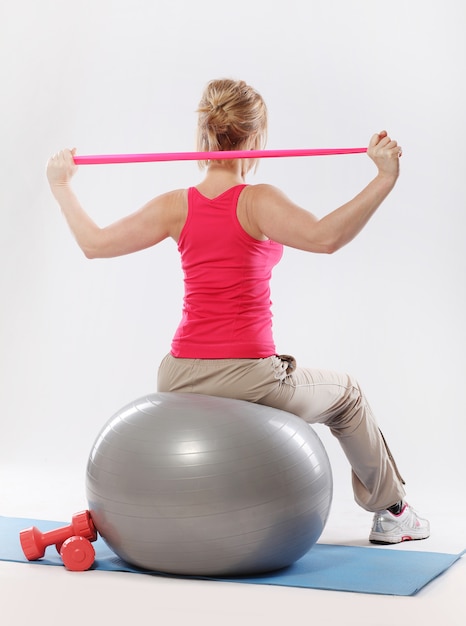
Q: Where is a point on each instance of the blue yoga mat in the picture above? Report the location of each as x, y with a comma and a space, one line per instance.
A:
332, 567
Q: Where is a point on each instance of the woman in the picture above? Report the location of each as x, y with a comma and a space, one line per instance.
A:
230, 235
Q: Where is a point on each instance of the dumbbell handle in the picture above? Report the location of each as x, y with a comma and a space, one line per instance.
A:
34, 542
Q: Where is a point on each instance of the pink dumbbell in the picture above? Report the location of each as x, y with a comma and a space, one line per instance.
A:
34, 542
77, 553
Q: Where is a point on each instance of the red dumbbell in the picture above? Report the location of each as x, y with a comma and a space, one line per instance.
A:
34, 542
77, 553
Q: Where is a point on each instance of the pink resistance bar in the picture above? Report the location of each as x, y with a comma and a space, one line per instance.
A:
101, 159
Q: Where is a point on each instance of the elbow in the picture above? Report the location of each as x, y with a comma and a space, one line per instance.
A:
325, 240
336, 242
320, 247
90, 252
92, 247
331, 246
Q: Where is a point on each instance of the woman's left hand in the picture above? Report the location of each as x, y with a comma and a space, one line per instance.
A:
61, 167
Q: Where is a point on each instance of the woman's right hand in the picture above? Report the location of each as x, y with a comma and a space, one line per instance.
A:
61, 168
386, 153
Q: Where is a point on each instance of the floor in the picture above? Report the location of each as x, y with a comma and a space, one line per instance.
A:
54, 595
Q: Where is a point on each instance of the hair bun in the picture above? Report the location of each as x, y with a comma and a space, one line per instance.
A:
230, 114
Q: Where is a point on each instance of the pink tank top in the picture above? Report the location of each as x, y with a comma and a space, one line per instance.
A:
226, 307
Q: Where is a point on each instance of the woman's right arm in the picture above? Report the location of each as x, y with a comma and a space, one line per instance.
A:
283, 221
155, 221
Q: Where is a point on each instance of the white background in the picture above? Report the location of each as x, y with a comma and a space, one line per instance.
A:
79, 338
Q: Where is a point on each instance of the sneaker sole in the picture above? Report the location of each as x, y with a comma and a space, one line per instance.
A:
391, 541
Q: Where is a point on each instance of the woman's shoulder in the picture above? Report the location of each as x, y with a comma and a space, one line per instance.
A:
174, 195
169, 202
264, 192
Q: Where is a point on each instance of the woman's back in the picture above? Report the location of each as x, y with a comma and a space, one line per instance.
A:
226, 310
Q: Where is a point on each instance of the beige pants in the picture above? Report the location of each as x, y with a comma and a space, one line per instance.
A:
317, 396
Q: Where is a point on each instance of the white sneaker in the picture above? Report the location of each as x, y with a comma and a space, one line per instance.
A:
406, 526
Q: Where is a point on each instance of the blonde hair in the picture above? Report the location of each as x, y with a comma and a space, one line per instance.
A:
232, 116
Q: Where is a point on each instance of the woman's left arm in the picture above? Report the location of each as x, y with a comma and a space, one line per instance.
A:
147, 227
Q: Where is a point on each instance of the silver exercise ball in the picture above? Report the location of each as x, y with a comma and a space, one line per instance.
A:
199, 485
